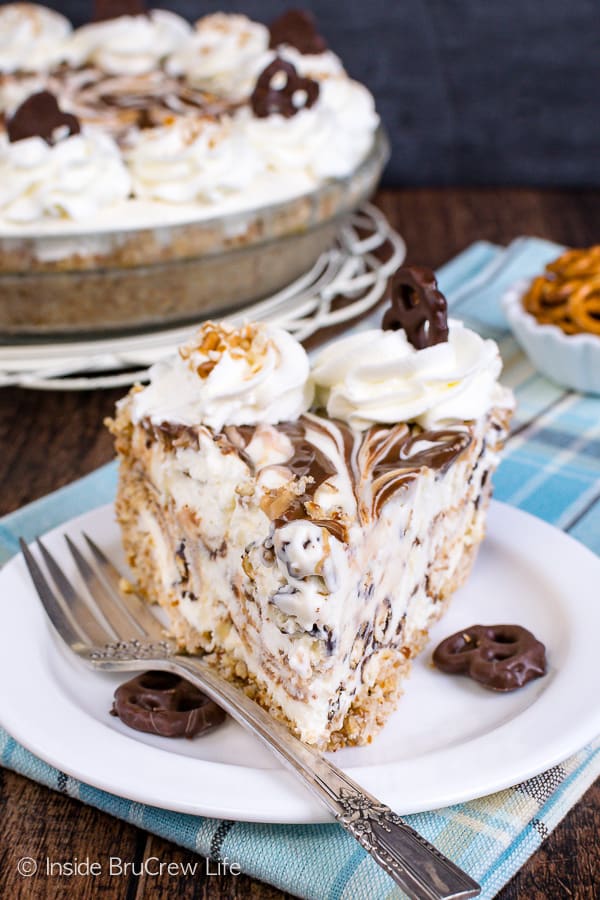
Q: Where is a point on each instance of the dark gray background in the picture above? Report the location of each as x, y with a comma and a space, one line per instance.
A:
471, 91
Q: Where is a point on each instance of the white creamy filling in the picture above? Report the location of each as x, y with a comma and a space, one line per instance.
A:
269, 447
337, 491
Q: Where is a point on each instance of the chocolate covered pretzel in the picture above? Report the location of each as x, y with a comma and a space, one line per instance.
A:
165, 704
41, 116
500, 657
418, 307
280, 90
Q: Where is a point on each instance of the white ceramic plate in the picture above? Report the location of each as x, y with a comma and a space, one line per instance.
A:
450, 740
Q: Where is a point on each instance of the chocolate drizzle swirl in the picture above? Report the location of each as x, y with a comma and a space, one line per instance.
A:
391, 458
311, 464
377, 463
120, 103
385, 459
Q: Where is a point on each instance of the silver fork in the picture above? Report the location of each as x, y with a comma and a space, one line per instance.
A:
115, 631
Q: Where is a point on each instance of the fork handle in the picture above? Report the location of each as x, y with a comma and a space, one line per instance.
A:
421, 870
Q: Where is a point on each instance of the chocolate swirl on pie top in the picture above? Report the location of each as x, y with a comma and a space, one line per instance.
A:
41, 116
418, 307
147, 100
297, 28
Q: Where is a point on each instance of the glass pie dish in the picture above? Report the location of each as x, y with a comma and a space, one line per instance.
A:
118, 279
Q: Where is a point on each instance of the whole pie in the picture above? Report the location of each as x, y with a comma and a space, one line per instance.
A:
139, 141
172, 122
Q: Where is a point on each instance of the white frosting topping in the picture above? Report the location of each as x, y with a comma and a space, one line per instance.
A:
327, 140
222, 55
74, 178
32, 37
191, 160
227, 376
377, 376
129, 45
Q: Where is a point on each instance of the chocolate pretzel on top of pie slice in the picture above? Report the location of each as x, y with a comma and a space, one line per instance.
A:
418, 307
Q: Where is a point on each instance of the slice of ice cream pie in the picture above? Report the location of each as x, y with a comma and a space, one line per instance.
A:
303, 526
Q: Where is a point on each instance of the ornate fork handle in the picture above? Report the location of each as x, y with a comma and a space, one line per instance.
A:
421, 870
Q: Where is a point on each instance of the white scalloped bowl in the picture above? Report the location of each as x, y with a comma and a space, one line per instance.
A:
571, 360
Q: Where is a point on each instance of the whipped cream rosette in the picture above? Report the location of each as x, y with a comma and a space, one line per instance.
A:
377, 376
74, 178
223, 55
190, 161
32, 38
128, 45
325, 140
226, 376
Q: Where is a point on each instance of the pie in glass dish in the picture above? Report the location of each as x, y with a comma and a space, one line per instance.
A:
152, 171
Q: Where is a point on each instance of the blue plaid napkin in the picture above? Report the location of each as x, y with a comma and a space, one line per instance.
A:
550, 469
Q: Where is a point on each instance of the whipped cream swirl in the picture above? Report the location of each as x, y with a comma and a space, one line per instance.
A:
227, 376
377, 376
191, 160
74, 179
32, 38
328, 140
222, 55
129, 45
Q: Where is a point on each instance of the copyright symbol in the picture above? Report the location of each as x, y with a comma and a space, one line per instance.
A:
27, 866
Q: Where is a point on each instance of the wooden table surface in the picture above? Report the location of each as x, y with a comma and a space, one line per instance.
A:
49, 439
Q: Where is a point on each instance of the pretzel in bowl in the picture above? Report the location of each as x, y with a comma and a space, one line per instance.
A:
568, 293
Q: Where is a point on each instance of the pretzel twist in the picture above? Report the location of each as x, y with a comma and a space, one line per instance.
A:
568, 293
